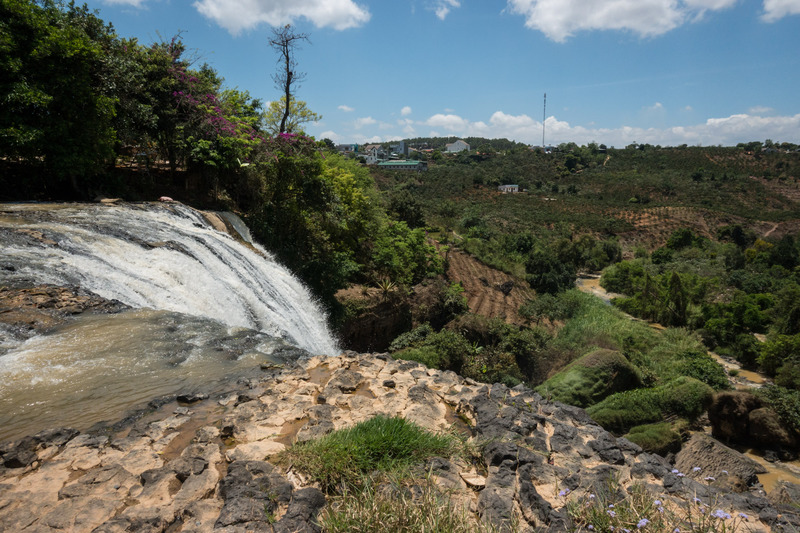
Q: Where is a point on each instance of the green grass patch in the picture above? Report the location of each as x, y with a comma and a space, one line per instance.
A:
658, 438
341, 460
683, 397
591, 378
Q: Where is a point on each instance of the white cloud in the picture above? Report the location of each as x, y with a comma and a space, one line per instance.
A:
727, 131
405, 111
238, 15
364, 121
760, 110
442, 8
560, 19
777, 9
346, 108
134, 3
330, 134
448, 122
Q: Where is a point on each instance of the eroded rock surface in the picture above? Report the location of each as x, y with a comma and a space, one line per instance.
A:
205, 467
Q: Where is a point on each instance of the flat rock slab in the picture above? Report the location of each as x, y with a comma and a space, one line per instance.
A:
211, 468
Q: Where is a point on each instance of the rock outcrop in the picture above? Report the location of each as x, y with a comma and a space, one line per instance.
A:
205, 466
741, 417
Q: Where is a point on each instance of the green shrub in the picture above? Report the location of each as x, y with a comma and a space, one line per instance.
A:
527, 346
445, 350
410, 338
657, 438
342, 459
591, 378
785, 402
702, 367
427, 355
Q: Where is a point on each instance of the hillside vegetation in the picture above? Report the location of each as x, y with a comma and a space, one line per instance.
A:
701, 240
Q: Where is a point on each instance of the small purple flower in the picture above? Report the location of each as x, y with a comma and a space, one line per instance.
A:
676, 530
591, 496
643, 522
660, 509
610, 505
611, 513
725, 472
590, 527
708, 478
657, 503
697, 501
676, 471
719, 513
696, 469
563, 492
743, 516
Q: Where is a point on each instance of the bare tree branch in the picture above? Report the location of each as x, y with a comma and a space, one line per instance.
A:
285, 41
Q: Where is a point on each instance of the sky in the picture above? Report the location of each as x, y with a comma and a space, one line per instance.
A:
615, 72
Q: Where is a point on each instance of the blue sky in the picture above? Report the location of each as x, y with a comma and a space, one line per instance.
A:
669, 72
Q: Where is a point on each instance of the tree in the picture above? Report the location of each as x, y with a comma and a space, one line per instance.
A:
284, 41
57, 93
277, 121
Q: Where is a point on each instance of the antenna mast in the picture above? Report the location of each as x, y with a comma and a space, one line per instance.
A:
544, 117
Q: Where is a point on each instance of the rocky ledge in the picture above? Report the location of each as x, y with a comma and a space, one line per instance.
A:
203, 464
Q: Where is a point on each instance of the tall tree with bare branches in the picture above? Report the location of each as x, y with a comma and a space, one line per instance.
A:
285, 41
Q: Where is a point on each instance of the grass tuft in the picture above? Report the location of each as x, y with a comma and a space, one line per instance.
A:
341, 460
397, 508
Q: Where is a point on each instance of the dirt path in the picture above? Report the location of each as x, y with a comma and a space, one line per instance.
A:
771, 230
489, 292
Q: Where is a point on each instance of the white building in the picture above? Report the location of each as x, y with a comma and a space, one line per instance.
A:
458, 146
508, 188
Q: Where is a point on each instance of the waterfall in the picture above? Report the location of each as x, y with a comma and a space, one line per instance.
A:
163, 257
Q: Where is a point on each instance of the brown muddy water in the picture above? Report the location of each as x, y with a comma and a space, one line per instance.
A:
98, 368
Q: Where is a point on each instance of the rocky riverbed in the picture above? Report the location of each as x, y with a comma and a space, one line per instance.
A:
207, 463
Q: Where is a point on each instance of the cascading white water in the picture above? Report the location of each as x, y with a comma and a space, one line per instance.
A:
163, 257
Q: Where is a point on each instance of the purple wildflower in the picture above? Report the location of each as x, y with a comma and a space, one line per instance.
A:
643, 522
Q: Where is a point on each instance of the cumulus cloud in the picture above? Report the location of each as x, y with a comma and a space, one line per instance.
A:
442, 8
405, 111
364, 121
238, 15
777, 9
760, 110
560, 19
448, 122
346, 108
134, 3
330, 134
726, 131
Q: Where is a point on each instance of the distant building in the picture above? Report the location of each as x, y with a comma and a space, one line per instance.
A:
347, 148
419, 166
508, 188
398, 148
372, 154
458, 146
